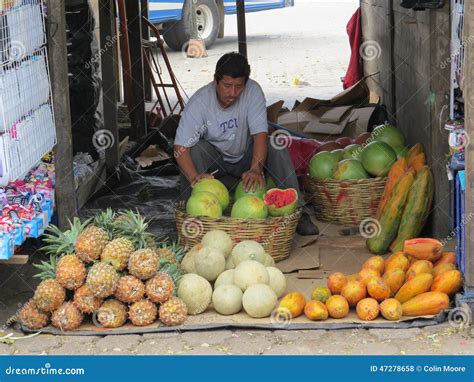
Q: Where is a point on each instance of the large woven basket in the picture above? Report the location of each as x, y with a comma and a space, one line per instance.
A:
274, 233
347, 202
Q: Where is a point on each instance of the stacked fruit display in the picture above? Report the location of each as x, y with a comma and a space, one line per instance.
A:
211, 198
405, 203
369, 155
109, 267
243, 277
418, 281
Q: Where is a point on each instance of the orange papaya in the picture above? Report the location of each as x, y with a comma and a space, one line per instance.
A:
426, 304
419, 267
415, 211
391, 215
397, 260
437, 270
423, 249
447, 282
394, 278
399, 168
417, 162
417, 285
446, 258
414, 151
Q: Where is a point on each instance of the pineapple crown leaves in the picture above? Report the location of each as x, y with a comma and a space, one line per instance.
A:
172, 269
59, 242
176, 248
105, 221
47, 268
133, 226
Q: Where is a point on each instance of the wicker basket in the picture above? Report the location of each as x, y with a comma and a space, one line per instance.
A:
346, 202
274, 233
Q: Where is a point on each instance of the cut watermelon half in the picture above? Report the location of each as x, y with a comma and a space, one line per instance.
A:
281, 202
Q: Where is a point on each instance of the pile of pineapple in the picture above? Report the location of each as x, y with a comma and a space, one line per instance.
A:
109, 267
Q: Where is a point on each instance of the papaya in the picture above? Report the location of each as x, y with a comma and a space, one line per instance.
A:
397, 170
394, 278
447, 282
417, 285
437, 270
375, 262
336, 281
391, 215
366, 274
416, 208
391, 309
353, 292
337, 306
419, 267
352, 277
292, 302
426, 304
397, 260
423, 249
378, 289
367, 309
315, 311
414, 151
417, 162
446, 257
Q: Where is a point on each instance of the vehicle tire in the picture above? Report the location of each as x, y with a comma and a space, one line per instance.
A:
176, 34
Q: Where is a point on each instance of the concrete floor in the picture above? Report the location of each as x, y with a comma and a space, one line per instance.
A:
307, 42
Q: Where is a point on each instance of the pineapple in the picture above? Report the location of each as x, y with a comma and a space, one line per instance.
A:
85, 300
70, 272
143, 313
173, 312
31, 317
129, 289
49, 295
172, 253
112, 314
134, 227
102, 279
117, 252
160, 288
58, 242
90, 243
143, 264
67, 317
105, 221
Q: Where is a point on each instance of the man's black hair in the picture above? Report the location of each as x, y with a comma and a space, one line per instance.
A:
233, 65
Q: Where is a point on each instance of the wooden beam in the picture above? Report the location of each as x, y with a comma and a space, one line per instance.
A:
146, 36
134, 21
16, 260
469, 125
241, 28
65, 190
109, 62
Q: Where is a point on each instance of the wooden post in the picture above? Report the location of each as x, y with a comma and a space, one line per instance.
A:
469, 125
138, 89
146, 36
108, 49
66, 204
241, 29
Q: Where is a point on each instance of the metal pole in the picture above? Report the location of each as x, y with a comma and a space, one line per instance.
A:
242, 33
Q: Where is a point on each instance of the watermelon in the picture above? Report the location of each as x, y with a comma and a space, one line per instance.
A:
281, 202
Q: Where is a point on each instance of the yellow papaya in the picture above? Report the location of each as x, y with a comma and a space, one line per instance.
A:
416, 208
426, 304
399, 168
417, 285
414, 151
391, 215
423, 249
447, 282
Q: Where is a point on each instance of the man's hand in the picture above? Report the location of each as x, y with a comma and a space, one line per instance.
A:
199, 177
253, 179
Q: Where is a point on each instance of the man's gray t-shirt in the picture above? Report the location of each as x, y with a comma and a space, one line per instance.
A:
228, 130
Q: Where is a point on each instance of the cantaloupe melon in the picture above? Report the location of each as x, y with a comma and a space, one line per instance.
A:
250, 272
196, 292
259, 300
248, 250
225, 278
220, 240
209, 263
277, 281
227, 299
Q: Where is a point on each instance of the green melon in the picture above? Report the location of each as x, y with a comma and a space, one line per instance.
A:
352, 151
389, 134
239, 191
204, 204
322, 165
269, 183
215, 187
350, 169
338, 153
249, 207
378, 158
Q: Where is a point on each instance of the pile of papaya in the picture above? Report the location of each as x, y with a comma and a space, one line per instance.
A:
405, 203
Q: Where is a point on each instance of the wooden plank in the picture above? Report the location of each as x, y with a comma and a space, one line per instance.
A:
108, 45
93, 183
58, 65
146, 37
440, 86
469, 125
16, 260
138, 90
